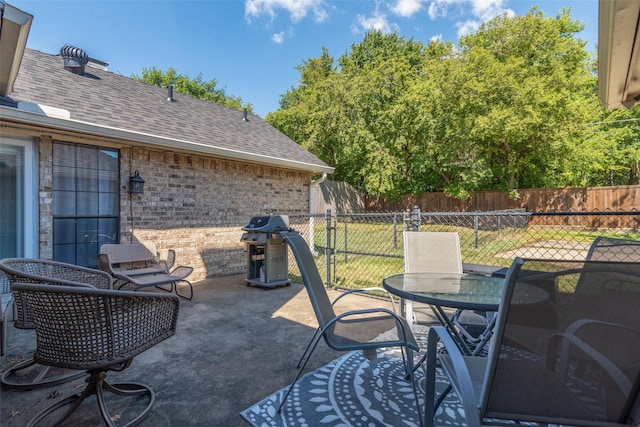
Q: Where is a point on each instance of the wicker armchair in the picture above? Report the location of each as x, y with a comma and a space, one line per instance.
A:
6, 307
28, 375
97, 330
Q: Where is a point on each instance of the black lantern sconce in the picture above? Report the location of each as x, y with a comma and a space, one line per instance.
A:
136, 184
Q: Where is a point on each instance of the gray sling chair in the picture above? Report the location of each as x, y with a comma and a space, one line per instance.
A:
587, 372
343, 332
28, 375
97, 330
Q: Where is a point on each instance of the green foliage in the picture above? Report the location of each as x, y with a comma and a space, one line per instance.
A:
617, 144
194, 87
509, 108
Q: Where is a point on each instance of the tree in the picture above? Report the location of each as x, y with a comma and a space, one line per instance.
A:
527, 89
194, 87
338, 115
619, 144
508, 109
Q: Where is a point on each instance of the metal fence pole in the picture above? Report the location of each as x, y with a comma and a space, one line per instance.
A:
416, 218
327, 248
475, 231
346, 240
395, 231
334, 250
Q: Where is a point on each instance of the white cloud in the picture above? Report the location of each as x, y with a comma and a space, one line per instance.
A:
436, 38
378, 21
466, 15
407, 8
297, 9
467, 27
437, 9
480, 9
278, 37
489, 9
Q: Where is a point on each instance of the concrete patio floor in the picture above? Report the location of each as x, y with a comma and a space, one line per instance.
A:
234, 346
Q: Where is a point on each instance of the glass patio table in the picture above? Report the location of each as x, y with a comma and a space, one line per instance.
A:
450, 290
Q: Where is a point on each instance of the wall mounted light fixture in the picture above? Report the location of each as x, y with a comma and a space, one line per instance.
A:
136, 184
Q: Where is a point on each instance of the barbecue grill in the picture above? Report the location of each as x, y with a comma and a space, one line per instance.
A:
266, 251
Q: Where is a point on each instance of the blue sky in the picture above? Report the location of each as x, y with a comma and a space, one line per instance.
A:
251, 48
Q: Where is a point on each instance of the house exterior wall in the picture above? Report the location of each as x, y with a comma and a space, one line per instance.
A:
192, 204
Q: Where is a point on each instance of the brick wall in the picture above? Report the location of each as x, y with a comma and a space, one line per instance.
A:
45, 197
192, 204
198, 205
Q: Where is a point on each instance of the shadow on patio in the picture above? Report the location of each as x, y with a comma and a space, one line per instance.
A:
234, 345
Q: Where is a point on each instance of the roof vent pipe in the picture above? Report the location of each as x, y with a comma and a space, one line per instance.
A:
74, 59
313, 185
244, 115
170, 93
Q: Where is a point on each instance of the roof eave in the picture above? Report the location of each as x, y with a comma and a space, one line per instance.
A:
80, 127
14, 30
618, 53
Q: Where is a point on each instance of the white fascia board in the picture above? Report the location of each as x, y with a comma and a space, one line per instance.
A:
70, 125
617, 46
14, 31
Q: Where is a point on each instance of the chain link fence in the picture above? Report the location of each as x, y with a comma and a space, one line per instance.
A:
356, 250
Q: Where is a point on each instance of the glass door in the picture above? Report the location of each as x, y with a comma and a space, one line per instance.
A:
17, 199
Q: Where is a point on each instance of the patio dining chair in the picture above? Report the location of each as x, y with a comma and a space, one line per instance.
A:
429, 252
344, 331
588, 371
438, 252
97, 330
27, 374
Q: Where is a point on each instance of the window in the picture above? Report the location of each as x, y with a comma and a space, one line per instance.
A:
86, 202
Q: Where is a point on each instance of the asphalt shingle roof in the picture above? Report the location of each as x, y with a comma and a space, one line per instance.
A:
108, 99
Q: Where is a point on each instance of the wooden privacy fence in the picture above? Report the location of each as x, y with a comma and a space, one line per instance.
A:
544, 200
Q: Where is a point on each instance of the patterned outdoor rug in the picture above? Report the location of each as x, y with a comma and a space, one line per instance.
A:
353, 391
